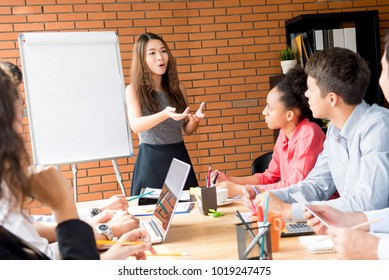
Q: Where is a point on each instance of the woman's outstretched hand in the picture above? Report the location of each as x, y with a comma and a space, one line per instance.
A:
171, 113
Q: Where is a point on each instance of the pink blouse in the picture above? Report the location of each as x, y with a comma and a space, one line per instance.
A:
293, 158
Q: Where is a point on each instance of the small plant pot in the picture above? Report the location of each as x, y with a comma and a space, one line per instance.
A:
288, 64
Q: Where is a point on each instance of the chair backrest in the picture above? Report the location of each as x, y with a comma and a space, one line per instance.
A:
261, 163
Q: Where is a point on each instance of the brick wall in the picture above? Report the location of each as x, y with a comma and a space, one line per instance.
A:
225, 51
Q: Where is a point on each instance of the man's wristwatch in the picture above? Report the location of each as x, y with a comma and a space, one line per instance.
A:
106, 230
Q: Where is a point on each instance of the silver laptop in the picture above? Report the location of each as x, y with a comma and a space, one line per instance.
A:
159, 224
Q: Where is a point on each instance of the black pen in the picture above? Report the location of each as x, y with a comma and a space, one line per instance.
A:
215, 178
245, 224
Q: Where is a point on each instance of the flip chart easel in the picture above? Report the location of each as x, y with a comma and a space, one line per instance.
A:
75, 98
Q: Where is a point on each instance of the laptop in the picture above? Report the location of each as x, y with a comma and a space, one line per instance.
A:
159, 224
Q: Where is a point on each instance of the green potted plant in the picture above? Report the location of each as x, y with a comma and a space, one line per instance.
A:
288, 59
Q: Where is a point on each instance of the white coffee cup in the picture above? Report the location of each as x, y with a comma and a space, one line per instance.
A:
222, 195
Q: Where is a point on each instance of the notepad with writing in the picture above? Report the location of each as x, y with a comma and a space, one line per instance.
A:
147, 210
317, 244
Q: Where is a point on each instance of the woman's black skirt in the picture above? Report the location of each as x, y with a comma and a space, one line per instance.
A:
152, 165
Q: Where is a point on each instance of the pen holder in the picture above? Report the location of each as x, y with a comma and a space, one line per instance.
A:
250, 241
207, 200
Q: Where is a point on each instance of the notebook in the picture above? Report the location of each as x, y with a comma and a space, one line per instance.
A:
317, 244
160, 221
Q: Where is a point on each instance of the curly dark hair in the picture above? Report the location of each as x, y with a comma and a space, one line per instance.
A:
141, 77
14, 70
292, 92
13, 155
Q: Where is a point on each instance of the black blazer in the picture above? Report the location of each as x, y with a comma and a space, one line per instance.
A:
75, 239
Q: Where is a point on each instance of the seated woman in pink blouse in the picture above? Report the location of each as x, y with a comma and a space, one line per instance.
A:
298, 144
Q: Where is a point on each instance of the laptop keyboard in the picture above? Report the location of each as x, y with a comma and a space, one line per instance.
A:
151, 228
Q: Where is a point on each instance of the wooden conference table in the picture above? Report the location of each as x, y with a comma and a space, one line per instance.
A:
209, 238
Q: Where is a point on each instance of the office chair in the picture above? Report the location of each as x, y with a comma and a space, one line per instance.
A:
261, 163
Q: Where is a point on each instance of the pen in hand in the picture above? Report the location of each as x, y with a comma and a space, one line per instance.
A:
215, 179
254, 207
209, 176
255, 189
252, 201
354, 227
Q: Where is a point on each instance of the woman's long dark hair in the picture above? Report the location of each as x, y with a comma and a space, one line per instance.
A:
13, 155
143, 84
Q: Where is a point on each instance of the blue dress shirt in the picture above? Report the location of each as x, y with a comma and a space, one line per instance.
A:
354, 161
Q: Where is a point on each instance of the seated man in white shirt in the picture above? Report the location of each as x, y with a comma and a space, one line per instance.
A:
358, 243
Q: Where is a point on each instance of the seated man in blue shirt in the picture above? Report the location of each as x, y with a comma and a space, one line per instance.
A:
355, 158
358, 243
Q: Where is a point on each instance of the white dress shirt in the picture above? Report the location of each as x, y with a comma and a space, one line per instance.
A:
382, 228
19, 224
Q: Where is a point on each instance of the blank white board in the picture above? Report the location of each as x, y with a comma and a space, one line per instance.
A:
75, 97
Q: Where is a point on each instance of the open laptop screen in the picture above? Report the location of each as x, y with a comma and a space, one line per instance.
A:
171, 191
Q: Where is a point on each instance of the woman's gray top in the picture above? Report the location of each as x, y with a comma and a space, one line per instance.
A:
166, 132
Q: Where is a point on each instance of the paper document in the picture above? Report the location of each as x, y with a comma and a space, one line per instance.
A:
185, 196
147, 210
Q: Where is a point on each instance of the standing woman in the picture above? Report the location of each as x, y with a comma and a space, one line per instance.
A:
158, 111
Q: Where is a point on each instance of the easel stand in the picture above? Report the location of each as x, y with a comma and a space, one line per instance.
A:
117, 172
251, 244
